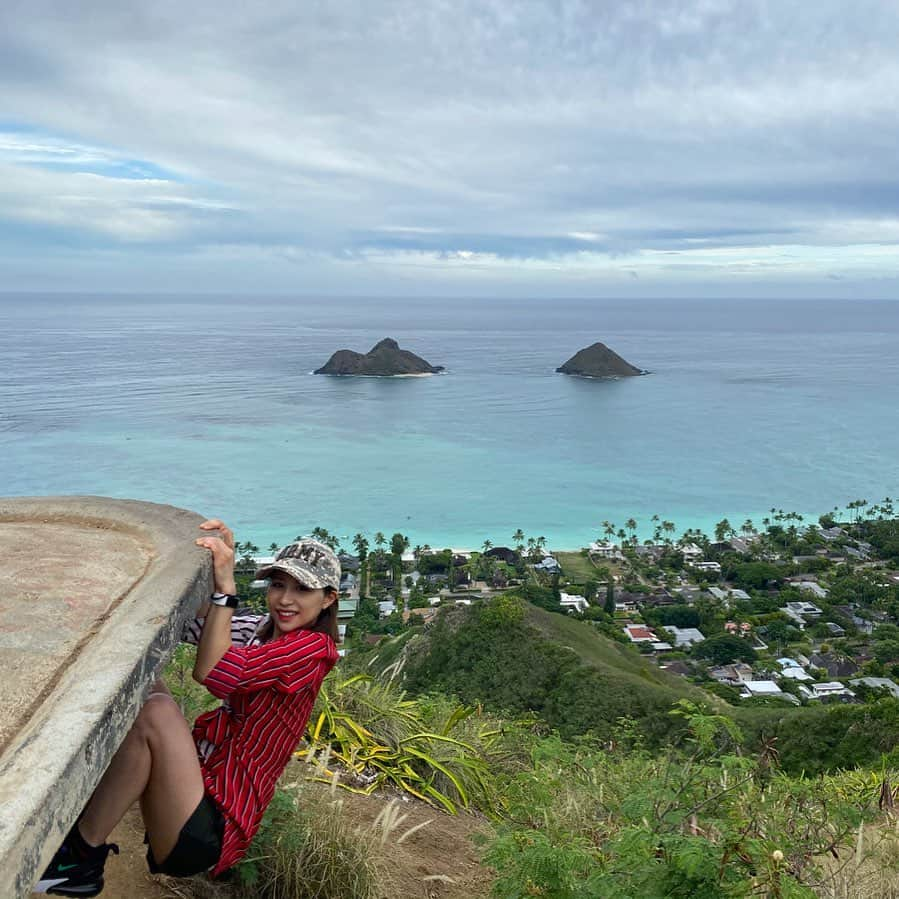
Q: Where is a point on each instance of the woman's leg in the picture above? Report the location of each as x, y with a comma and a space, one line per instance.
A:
156, 764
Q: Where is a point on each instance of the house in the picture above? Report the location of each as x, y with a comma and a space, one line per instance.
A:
865, 626
883, 683
503, 554
348, 562
732, 675
659, 598
549, 565
648, 551
835, 666
685, 636
814, 588
802, 612
639, 633
835, 629
677, 667
691, 553
661, 646
744, 628
707, 566
386, 607
831, 689
573, 603
426, 614
688, 594
796, 673
604, 550
761, 688
831, 534
719, 594
739, 545
736, 593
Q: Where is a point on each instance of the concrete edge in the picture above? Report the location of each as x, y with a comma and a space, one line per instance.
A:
49, 770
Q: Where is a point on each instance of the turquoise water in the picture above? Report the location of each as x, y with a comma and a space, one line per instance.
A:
208, 403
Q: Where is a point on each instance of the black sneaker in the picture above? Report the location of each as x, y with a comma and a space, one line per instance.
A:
68, 875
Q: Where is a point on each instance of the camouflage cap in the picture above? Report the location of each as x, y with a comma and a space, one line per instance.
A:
311, 563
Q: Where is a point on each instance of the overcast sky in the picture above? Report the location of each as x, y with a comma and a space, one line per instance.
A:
452, 147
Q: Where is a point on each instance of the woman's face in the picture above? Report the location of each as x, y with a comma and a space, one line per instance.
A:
292, 605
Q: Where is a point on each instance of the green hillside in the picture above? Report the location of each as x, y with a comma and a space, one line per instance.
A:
515, 658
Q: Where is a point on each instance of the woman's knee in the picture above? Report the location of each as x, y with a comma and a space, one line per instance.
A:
158, 715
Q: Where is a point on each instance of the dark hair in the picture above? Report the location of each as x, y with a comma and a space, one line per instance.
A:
326, 623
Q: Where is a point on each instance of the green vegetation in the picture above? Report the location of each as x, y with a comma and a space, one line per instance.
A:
305, 849
577, 567
700, 820
519, 659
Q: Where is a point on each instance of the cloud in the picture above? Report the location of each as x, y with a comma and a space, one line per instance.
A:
409, 134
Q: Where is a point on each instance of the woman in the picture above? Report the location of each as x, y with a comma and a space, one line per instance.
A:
202, 793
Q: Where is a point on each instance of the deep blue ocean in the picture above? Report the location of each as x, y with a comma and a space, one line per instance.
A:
209, 403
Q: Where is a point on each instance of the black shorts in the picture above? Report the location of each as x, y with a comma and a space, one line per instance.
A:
199, 843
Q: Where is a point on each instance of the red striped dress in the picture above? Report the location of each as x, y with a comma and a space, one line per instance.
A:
244, 745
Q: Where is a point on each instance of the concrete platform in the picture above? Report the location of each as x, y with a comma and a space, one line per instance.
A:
93, 593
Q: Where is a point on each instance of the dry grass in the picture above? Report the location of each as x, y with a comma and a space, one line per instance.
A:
871, 871
314, 851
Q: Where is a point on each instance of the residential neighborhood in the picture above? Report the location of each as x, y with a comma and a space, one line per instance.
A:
786, 612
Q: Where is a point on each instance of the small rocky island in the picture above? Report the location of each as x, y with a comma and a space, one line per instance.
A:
598, 361
384, 360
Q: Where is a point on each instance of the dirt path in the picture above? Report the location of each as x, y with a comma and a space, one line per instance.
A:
441, 849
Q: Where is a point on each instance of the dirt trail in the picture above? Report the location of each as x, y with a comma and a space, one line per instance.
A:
442, 848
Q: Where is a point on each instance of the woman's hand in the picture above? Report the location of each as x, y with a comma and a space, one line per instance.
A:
222, 549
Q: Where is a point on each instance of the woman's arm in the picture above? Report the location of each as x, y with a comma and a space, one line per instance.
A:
216, 638
227, 535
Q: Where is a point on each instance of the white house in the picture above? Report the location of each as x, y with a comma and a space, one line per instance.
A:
761, 688
802, 612
691, 553
571, 602
685, 636
811, 587
831, 688
605, 550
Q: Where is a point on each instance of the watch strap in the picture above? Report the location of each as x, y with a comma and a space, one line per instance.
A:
224, 599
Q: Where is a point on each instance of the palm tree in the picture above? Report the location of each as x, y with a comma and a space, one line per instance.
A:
669, 528
608, 529
518, 539
487, 545
361, 545
723, 529
273, 547
399, 543
631, 525
747, 527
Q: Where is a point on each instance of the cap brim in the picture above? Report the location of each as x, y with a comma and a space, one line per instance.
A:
298, 571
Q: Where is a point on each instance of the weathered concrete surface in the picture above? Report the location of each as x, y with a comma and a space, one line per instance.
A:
93, 594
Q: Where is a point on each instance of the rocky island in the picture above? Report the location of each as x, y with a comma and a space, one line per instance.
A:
598, 361
384, 360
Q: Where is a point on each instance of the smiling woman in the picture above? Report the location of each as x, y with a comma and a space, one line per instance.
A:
203, 793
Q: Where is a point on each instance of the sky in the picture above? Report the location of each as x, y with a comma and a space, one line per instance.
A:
467, 148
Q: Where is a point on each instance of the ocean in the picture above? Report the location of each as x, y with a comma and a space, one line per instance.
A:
209, 403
